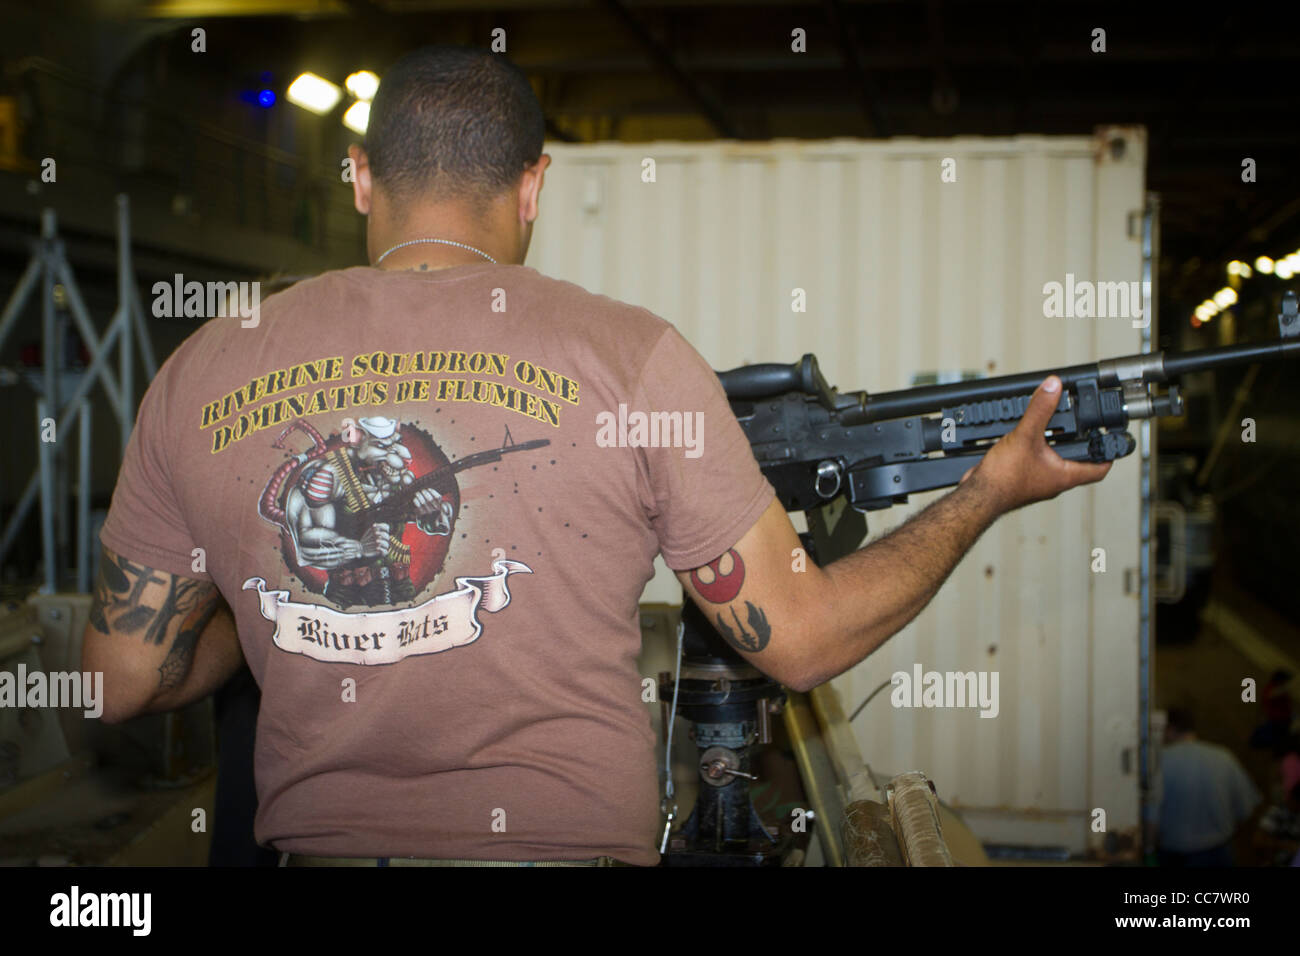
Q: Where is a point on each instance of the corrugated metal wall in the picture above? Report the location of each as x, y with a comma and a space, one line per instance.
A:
904, 272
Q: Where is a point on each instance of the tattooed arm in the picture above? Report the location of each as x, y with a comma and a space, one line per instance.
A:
763, 603
802, 625
161, 640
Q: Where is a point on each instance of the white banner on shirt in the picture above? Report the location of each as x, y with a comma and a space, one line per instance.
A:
385, 637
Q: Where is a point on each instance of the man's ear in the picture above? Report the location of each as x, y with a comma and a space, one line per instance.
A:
360, 179
530, 185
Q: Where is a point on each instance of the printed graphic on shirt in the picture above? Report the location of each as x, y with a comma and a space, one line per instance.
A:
385, 637
343, 508
370, 379
366, 514
365, 517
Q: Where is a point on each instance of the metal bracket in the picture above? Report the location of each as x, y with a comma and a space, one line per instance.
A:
1288, 320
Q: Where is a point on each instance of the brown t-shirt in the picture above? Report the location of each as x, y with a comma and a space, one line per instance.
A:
465, 684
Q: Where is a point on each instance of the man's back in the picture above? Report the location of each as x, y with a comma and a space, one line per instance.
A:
434, 554
1206, 795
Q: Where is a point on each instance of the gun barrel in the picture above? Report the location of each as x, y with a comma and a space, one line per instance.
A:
1176, 364
857, 408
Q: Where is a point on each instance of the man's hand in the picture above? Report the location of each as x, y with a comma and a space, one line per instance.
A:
1022, 468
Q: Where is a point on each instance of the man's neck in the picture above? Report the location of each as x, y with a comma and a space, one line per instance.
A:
430, 257
440, 236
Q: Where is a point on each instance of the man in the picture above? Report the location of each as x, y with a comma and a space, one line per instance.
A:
496, 715
1205, 795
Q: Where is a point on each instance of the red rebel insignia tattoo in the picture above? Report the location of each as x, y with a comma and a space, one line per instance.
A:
719, 581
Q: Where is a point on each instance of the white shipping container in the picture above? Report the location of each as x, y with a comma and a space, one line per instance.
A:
908, 270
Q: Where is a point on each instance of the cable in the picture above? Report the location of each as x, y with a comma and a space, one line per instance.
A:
668, 750
854, 715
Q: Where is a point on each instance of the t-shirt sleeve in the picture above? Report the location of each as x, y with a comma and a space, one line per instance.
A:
707, 489
145, 523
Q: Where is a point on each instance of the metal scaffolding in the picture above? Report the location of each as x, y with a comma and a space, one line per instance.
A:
63, 392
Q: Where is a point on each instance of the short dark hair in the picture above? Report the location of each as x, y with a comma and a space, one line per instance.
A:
457, 121
1180, 720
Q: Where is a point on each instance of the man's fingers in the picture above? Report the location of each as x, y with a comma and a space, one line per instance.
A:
1042, 406
1085, 472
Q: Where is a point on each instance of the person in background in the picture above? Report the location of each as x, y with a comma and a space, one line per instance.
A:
1278, 836
1275, 701
1205, 796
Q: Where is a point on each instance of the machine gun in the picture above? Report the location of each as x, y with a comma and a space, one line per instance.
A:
815, 443
821, 448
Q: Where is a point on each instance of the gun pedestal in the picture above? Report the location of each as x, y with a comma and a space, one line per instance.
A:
729, 704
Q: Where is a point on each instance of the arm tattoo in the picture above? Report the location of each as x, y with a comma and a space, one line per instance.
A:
173, 669
120, 595
119, 587
184, 597
744, 641
719, 581
120, 605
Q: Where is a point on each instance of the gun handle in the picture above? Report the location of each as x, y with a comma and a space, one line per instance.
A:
774, 378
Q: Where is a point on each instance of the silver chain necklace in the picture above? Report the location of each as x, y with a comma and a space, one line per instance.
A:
446, 242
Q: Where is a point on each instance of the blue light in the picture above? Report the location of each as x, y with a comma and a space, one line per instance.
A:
266, 99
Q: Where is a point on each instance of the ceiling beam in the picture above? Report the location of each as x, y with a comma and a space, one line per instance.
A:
868, 93
663, 58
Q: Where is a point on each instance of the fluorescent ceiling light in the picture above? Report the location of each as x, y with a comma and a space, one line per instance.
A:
314, 93
362, 84
357, 117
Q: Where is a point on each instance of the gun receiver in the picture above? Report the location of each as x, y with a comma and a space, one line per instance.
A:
816, 443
